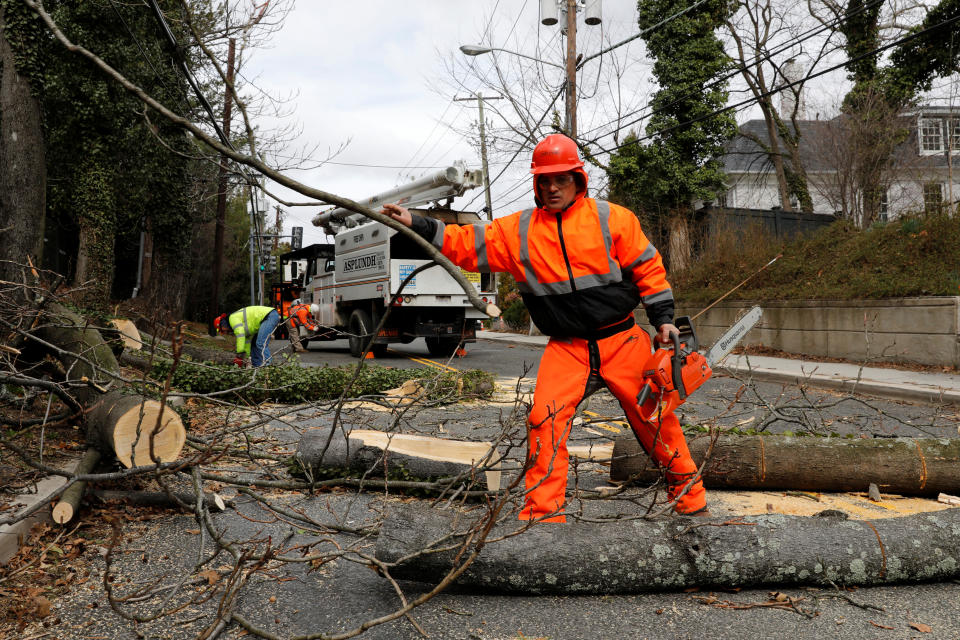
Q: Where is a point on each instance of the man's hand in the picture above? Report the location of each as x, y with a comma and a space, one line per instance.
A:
398, 213
664, 331
238, 361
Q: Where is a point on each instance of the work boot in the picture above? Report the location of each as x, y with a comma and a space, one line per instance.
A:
699, 513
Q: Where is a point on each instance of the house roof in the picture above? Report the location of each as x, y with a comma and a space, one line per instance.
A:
818, 147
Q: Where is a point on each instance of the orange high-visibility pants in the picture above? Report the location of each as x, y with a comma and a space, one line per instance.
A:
562, 384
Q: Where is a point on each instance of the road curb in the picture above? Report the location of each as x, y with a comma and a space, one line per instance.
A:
906, 392
12, 536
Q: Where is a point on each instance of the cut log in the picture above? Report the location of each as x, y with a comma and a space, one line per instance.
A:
69, 502
129, 333
416, 457
161, 499
131, 426
677, 553
906, 466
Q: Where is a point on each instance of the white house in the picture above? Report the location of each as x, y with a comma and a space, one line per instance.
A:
924, 172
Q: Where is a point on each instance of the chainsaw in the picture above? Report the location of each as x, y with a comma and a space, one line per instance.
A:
676, 370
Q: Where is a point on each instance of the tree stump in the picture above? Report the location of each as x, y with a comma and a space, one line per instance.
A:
907, 466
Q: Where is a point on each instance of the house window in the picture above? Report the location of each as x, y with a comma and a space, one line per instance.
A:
953, 127
931, 135
932, 196
884, 213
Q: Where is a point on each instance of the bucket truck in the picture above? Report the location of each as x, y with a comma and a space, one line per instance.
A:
354, 280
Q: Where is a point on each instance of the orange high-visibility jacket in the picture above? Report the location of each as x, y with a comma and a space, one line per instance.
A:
578, 271
300, 316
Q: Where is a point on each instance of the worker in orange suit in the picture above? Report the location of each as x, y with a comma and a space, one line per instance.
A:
582, 266
300, 316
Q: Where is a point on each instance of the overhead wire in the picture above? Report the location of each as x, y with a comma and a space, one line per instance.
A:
740, 68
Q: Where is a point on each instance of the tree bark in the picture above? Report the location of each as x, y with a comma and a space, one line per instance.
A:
907, 466
680, 250
23, 172
379, 454
638, 556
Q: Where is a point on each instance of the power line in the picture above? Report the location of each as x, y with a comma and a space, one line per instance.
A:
741, 68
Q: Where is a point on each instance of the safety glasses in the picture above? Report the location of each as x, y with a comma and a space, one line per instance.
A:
560, 181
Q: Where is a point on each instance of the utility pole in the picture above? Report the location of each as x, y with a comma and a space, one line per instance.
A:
253, 238
571, 124
222, 188
479, 97
278, 220
592, 17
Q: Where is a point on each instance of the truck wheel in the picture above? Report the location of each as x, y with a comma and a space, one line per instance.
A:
361, 325
442, 347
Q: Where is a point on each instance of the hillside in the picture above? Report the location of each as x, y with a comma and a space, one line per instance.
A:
913, 256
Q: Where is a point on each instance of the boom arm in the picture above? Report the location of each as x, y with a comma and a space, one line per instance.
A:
453, 181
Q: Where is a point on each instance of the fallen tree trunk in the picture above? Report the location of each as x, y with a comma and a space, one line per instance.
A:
638, 556
907, 466
376, 454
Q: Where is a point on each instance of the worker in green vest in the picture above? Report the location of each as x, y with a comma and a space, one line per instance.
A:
252, 327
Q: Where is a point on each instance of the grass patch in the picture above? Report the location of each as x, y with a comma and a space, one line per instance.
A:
915, 255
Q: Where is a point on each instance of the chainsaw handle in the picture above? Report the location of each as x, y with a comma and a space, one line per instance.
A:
676, 366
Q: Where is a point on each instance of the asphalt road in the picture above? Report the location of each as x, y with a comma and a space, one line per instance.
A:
292, 599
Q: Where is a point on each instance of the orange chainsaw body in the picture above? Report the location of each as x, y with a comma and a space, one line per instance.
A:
672, 373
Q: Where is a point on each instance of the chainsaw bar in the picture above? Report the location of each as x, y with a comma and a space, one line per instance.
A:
725, 344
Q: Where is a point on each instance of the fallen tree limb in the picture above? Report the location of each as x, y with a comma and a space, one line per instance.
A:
635, 556
70, 499
376, 454
906, 466
161, 499
150, 343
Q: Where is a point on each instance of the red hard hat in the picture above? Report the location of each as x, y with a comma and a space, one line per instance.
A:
555, 153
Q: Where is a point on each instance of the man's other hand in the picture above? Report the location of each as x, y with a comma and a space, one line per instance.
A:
398, 213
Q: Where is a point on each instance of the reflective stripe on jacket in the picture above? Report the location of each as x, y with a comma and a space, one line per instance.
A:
245, 324
300, 316
578, 270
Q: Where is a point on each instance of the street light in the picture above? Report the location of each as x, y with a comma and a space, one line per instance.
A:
478, 50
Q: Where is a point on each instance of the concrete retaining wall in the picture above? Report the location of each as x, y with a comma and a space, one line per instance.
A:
915, 330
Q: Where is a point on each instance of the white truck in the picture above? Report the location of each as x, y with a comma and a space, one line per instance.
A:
355, 280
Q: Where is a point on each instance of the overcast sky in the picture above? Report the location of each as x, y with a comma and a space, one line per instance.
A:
376, 81
373, 75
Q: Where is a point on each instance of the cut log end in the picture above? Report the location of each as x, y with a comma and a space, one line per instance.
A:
133, 435
62, 512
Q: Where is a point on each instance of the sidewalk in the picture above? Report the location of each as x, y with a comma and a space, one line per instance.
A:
893, 384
